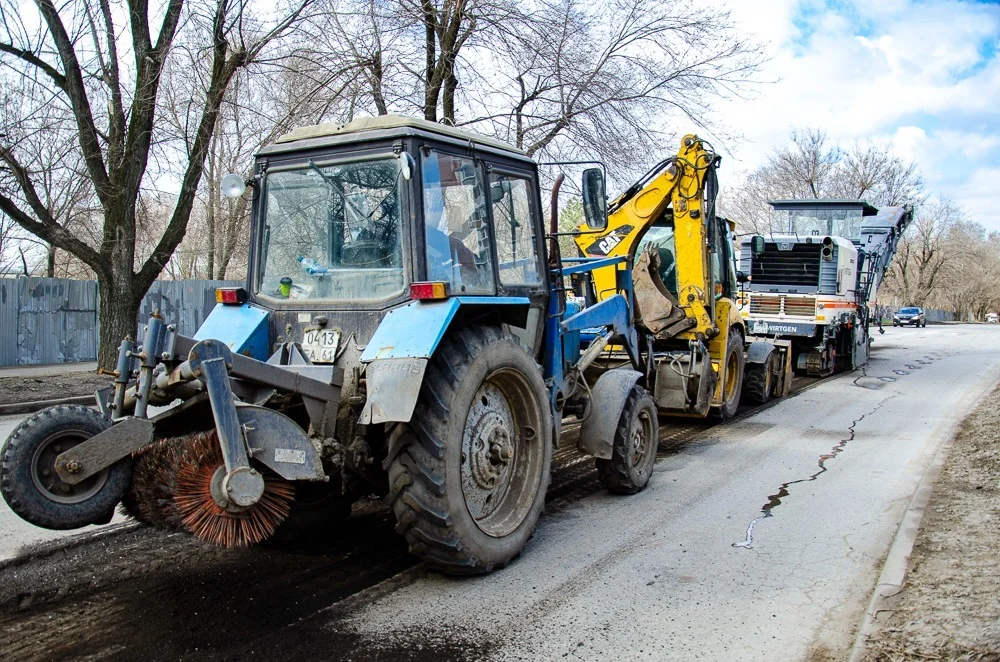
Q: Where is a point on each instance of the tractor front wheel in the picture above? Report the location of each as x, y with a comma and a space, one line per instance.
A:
633, 451
468, 475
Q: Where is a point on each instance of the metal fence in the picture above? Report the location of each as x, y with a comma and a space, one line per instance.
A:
55, 320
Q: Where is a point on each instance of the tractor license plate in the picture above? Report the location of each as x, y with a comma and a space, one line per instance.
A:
320, 345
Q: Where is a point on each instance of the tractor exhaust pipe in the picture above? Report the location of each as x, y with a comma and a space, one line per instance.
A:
554, 255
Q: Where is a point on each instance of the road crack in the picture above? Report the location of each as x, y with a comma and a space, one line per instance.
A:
775, 500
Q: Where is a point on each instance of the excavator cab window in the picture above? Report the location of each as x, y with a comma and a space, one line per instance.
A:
661, 235
725, 261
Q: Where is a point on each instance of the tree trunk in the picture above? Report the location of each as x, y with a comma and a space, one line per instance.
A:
448, 102
432, 83
119, 313
50, 262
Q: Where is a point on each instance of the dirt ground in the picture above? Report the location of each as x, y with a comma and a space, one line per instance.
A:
949, 608
49, 387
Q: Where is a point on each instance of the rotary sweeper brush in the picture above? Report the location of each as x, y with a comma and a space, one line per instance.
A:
177, 484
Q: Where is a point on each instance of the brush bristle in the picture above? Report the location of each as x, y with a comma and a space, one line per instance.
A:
204, 518
171, 489
150, 497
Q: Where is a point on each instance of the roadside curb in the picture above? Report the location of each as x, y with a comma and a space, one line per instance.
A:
38, 405
897, 561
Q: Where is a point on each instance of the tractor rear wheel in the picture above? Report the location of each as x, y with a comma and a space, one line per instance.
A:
732, 384
468, 474
29, 482
633, 451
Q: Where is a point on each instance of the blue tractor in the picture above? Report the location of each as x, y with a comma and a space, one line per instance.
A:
406, 329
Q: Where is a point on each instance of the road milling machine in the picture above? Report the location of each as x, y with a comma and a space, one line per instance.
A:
404, 330
811, 281
686, 289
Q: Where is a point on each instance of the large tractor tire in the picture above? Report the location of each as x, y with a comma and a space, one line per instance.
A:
758, 381
468, 475
28, 480
732, 385
633, 451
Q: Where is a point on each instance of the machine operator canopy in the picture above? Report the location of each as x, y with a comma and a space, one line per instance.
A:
837, 218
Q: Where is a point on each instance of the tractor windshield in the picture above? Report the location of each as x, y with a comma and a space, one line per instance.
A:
332, 232
819, 221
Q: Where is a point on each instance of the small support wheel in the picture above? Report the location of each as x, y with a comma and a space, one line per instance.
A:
633, 451
33, 489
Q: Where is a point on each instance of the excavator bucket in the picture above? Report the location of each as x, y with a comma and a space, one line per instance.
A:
656, 309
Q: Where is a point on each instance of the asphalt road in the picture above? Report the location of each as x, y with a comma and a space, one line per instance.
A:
757, 539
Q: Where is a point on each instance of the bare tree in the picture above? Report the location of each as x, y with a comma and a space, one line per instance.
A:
81, 58
922, 257
558, 76
578, 80
811, 167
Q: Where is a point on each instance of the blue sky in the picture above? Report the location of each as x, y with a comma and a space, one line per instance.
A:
924, 74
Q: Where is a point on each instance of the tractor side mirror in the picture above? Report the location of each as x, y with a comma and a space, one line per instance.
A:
595, 200
742, 277
405, 165
757, 245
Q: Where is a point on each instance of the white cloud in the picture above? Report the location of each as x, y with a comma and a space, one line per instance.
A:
979, 197
923, 73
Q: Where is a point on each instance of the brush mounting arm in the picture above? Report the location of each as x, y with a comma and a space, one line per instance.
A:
242, 486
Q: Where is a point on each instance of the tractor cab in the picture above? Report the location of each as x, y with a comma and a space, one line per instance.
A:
352, 220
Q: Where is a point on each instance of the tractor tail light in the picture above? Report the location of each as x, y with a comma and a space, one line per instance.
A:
231, 296
428, 291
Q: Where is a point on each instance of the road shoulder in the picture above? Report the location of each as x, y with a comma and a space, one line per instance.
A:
947, 607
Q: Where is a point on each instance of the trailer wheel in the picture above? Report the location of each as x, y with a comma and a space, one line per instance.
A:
732, 385
28, 480
758, 381
468, 474
633, 452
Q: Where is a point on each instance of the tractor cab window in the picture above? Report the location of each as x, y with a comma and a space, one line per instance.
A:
332, 232
456, 230
514, 224
661, 235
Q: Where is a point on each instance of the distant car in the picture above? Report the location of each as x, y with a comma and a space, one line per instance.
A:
909, 317
992, 318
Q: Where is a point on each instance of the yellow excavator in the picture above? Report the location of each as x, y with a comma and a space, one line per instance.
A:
686, 287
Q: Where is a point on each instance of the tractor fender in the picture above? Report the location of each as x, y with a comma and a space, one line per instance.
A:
396, 356
759, 351
607, 400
